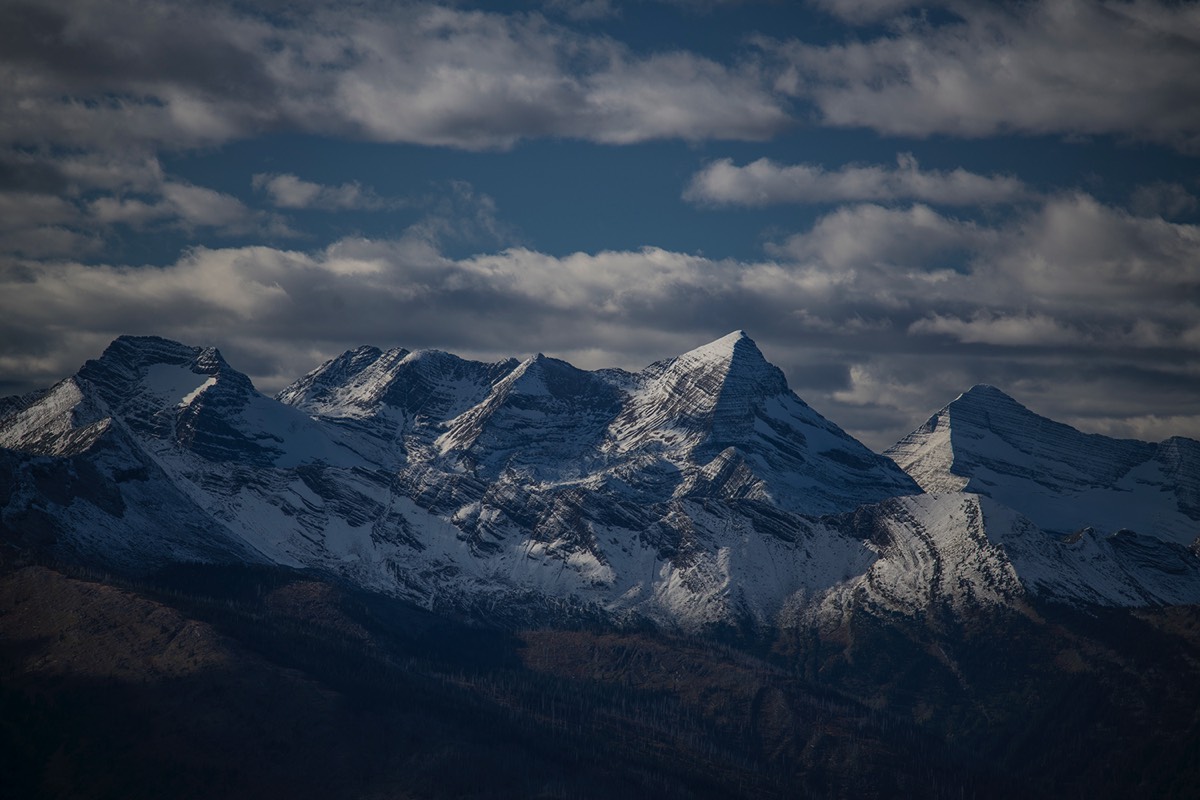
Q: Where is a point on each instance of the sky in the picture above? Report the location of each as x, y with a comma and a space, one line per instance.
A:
897, 201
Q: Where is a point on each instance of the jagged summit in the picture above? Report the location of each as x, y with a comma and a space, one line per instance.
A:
711, 422
146, 349
545, 414
133, 372
134, 367
325, 380
420, 385
133, 353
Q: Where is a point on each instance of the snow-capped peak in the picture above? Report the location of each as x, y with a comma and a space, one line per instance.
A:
544, 411
429, 385
324, 381
733, 358
691, 492
724, 406
985, 393
723, 348
136, 374
1063, 479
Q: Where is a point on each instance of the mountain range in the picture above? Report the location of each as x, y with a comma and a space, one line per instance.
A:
700, 493
414, 575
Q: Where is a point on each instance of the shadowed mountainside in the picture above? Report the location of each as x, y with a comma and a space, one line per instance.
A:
252, 682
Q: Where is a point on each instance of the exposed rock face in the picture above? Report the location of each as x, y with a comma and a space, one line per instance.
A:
700, 491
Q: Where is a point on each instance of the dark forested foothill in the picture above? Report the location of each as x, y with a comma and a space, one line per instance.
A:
247, 682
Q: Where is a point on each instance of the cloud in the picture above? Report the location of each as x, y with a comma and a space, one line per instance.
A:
198, 205
583, 10
288, 191
1065, 67
865, 11
49, 241
95, 195
76, 174
1000, 329
765, 182
457, 214
1079, 255
31, 209
36, 224
1071, 259
107, 76
20, 173
882, 314
1163, 199
870, 238
185, 206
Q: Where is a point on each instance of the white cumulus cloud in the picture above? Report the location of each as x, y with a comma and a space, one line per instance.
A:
289, 191
765, 182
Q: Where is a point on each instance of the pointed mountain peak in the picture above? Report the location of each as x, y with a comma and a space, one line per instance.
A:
542, 375
535, 363
706, 394
985, 441
733, 345
983, 407
732, 360
210, 361
983, 393
526, 378
545, 411
732, 339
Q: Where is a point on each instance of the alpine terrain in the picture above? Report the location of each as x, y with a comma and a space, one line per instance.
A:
688, 558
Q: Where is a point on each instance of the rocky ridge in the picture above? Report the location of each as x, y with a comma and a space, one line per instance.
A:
698, 492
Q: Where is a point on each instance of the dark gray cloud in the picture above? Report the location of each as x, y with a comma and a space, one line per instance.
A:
28, 175
103, 75
94, 90
1164, 199
70, 224
1074, 67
